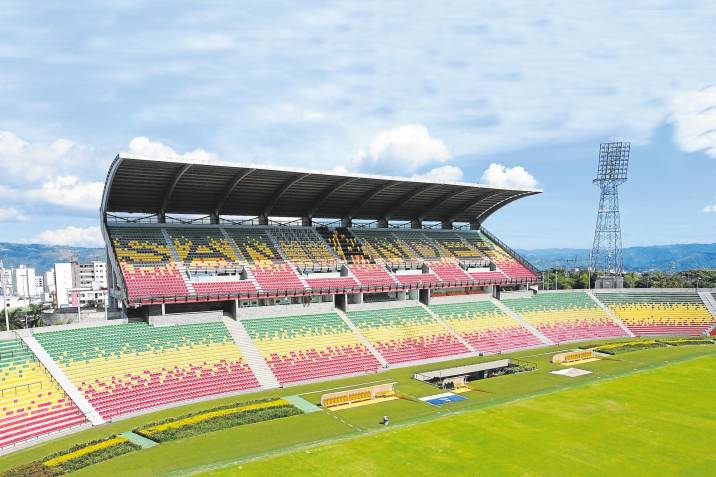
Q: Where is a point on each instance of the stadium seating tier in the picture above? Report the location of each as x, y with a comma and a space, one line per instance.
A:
486, 327
300, 348
125, 368
32, 404
406, 334
566, 316
659, 312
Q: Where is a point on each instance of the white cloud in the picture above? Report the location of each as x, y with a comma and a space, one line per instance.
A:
24, 161
288, 113
11, 214
710, 208
441, 174
497, 175
402, 151
77, 236
143, 146
69, 191
209, 42
693, 115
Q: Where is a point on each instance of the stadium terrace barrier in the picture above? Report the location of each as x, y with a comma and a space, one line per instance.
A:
170, 299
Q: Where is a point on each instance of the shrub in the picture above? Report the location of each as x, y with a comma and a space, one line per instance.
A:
33, 469
88, 453
686, 341
223, 417
627, 346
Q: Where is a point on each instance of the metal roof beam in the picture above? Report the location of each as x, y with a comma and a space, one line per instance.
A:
467, 206
327, 193
441, 200
369, 196
390, 211
170, 191
497, 205
282, 189
230, 189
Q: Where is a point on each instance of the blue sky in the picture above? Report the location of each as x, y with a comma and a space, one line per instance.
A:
506, 93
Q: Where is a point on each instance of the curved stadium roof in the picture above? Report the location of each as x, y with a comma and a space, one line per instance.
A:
140, 185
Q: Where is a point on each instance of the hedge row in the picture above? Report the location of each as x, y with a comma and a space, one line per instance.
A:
56, 464
627, 347
687, 341
215, 419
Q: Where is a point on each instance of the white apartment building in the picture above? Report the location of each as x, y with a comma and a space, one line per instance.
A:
23, 282
63, 284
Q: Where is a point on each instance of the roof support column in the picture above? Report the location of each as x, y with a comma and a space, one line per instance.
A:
383, 223
307, 221
346, 222
263, 219
214, 218
162, 218
446, 225
474, 225
416, 224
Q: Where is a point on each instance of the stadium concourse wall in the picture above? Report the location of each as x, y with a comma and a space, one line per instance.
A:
379, 336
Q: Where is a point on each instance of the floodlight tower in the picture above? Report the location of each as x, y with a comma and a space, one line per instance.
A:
606, 259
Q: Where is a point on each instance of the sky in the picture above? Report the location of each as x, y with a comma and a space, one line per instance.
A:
504, 93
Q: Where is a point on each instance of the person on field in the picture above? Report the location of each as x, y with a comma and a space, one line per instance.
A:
386, 420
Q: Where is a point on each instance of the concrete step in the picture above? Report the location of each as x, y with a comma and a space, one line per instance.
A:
180, 264
521, 321
59, 376
253, 357
450, 329
362, 338
710, 303
610, 314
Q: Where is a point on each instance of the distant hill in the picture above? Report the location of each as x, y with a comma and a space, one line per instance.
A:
656, 257
675, 258
43, 257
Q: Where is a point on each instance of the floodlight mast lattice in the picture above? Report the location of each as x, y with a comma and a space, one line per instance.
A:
606, 259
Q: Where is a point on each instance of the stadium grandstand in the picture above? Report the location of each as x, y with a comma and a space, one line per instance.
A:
233, 280
191, 234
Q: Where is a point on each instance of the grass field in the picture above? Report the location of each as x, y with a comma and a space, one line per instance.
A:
641, 411
658, 422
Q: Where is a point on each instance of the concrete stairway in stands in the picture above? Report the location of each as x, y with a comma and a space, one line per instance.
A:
252, 355
249, 275
710, 303
610, 314
450, 329
180, 265
59, 376
362, 338
521, 321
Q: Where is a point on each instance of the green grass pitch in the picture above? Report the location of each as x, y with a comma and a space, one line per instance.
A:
649, 412
659, 422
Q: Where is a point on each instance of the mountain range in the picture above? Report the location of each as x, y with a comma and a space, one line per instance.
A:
667, 258
656, 257
43, 257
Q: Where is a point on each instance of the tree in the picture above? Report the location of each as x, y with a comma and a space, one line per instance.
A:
30, 317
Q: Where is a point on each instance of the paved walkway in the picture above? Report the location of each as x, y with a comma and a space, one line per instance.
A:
139, 440
302, 404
